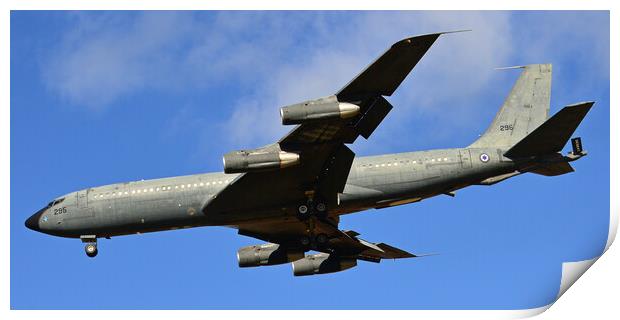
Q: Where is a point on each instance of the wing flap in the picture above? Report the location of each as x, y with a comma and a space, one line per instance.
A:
377, 111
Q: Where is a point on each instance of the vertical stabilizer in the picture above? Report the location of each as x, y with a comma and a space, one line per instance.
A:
525, 108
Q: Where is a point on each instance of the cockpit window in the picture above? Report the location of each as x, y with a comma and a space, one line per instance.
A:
55, 202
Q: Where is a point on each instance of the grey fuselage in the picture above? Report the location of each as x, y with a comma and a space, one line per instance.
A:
174, 203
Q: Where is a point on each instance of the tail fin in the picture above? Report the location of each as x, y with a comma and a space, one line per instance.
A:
525, 108
552, 135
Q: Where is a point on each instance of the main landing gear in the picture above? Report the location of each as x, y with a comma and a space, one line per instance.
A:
314, 242
91, 245
312, 209
310, 213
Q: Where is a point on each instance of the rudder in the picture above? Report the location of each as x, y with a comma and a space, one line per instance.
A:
525, 108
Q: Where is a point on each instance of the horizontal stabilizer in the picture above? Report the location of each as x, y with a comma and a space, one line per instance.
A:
553, 169
552, 135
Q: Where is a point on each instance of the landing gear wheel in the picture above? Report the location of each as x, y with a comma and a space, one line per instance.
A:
91, 250
303, 212
321, 239
305, 242
321, 210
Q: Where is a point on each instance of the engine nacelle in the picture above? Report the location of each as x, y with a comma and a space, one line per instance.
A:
319, 109
266, 255
258, 160
322, 263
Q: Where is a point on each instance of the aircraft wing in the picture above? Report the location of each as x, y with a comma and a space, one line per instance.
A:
385, 74
341, 243
325, 160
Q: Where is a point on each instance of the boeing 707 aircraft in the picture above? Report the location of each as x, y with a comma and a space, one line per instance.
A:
292, 193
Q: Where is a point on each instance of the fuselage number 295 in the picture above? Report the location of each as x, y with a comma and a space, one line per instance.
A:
58, 211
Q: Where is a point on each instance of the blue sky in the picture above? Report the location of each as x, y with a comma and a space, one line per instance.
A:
104, 97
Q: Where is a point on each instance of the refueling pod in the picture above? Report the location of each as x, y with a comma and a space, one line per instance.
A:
319, 109
321, 263
266, 255
258, 160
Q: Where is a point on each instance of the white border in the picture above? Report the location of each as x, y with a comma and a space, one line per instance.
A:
595, 295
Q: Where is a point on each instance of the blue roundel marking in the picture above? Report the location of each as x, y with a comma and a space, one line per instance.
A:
484, 157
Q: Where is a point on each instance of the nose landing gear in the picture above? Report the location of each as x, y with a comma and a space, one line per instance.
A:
91, 245
91, 250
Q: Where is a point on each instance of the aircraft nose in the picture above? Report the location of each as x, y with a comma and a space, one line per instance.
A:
32, 223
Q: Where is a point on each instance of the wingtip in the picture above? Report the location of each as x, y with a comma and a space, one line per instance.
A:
545, 65
409, 39
455, 31
426, 255
579, 104
509, 68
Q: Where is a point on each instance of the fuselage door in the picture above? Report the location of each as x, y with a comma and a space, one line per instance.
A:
465, 156
82, 199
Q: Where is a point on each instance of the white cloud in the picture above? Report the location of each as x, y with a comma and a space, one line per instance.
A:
280, 58
444, 75
105, 57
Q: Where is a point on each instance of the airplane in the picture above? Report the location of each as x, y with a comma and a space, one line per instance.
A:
292, 193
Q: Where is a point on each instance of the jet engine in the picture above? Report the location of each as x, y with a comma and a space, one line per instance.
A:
319, 109
266, 255
258, 160
322, 263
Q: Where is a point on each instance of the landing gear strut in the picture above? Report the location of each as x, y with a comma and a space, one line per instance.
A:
91, 245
